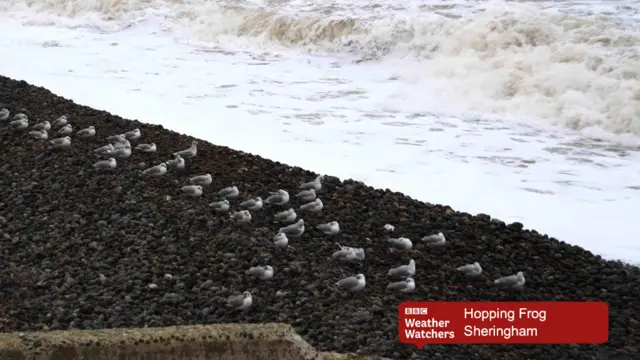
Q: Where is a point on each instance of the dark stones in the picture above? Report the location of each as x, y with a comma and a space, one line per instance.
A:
62, 225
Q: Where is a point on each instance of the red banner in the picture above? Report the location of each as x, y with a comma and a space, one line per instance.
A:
423, 323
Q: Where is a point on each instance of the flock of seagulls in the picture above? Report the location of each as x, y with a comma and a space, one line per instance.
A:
119, 147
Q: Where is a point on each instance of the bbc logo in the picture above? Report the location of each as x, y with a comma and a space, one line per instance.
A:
416, 311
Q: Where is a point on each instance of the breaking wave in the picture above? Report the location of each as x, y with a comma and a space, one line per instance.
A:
575, 70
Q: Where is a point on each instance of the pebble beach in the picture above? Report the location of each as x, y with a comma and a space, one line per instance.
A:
88, 248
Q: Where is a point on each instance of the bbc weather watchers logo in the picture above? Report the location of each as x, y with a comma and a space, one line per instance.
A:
416, 311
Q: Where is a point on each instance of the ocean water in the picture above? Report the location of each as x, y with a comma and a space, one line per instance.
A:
526, 110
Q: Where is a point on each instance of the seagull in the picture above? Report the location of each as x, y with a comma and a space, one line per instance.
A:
241, 217
20, 116
87, 132
59, 122
114, 139
353, 283
330, 228
435, 240
314, 206
20, 124
121, 153
190, 152
252, 204
230, 192
201, 179
471, 270
192, 190
240, 302
280, 240
280, 197
220, 206
515, 281
4, 114
316, 184
39, 134
105, 164
132, 135
148, 148
157, 170
44, 125
287, 216
104, 150
403, 271
405, 286
60, 143
261, 272
294, 230
389, 227
176, 163
349, 254
66, 130
401, 243
305, 196
122, 144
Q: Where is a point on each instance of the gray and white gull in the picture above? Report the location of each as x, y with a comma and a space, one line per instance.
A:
204, 180
471, 270
65, 130
157, 170
176, 163
405, 286
44, 125
104, 150
230, 192
286, 217
108, 164
401, 243
39, 134
294, 230
280, 240
87, 132
148, 148
240, 302
193, 191
220, 206
261, 272
314, 206
330, 228
59, 122
352, 283
4, 114
435, 240
192, 151
133, 134
20, 124
252, 204
403, 271
60, 143
121, 153
305, 196
515, 281
242, 217
316, 184
349, 254
280, 197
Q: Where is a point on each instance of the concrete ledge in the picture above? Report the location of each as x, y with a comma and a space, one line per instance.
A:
199, 342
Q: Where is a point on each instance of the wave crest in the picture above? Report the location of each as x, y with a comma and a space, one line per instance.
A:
576, 71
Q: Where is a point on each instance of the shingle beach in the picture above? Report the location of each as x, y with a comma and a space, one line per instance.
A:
85, 248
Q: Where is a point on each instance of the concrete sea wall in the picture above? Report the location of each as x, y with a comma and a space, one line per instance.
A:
197, 342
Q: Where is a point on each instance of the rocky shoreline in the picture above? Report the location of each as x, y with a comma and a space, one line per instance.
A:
63, 224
